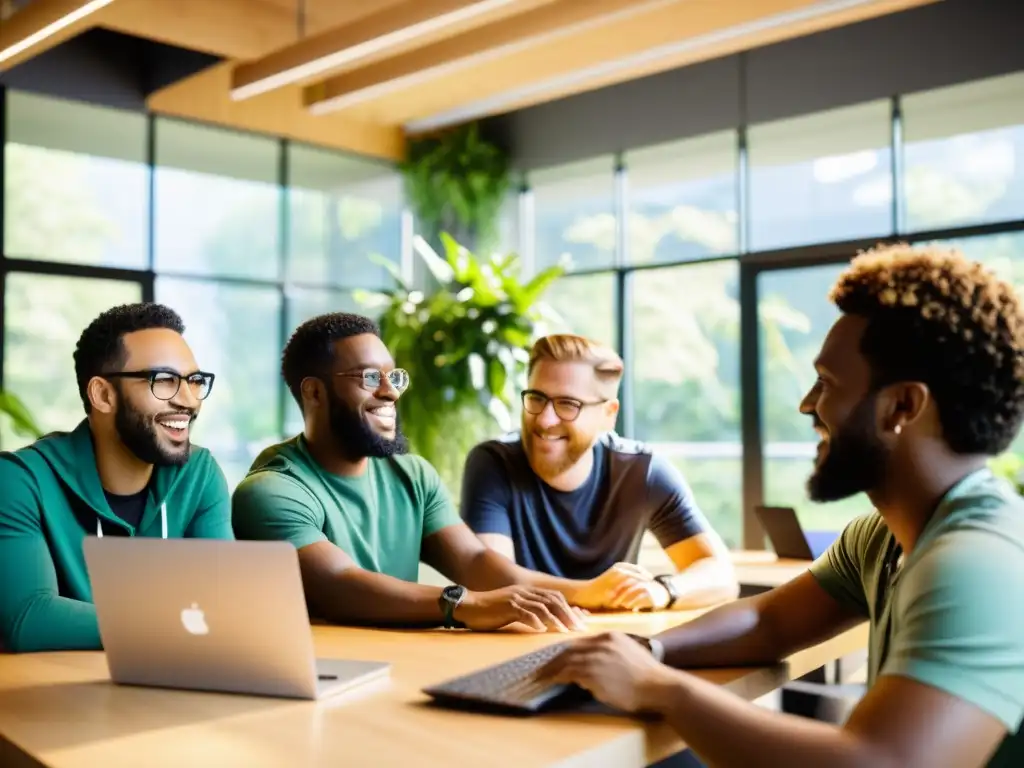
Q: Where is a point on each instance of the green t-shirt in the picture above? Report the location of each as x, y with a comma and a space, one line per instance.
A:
949, 617
379, 519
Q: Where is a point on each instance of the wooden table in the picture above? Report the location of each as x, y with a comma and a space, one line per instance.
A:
60, 710
759, 568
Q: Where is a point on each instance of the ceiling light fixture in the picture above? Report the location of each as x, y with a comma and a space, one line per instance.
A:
534, 92
354, 42
50, 29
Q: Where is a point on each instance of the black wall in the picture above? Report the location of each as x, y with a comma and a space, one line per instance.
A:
105, 67
944, 43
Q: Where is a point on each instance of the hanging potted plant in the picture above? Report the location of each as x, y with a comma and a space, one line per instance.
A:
456, 182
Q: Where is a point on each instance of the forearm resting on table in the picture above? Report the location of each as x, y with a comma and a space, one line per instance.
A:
49, 623
734, 634
356, 596
708, 718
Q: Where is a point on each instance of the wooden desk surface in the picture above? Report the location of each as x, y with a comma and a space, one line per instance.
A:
758, 568
62, 710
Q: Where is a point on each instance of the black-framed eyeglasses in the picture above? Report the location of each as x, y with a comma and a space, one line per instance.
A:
165, 384
566, 408
372, 378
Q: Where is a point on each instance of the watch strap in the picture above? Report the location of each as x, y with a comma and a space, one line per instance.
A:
665, 579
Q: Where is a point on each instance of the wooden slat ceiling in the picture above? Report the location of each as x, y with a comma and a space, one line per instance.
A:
491, 56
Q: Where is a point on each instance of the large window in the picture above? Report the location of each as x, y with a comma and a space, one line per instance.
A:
345, 212
821, 178
574, 215
234, 333
682, 200
686, 375
218, 203
964, 154
794, 314
76, 183
583, 304
77, 190
43, 317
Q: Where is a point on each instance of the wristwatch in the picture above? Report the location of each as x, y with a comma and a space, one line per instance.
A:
665, 579
451, 597
652, 644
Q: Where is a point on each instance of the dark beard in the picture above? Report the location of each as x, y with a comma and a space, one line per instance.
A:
139, 435
856, 458
356, 440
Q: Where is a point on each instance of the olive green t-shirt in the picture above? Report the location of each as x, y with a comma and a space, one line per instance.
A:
379, 519
949, 614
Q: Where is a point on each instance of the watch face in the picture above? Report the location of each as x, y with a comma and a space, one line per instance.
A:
453, 594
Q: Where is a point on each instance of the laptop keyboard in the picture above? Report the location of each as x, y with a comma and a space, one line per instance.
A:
512, 683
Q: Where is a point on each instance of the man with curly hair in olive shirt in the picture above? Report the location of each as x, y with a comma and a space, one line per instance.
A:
920, 381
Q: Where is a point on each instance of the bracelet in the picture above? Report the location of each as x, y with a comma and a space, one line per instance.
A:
665, 579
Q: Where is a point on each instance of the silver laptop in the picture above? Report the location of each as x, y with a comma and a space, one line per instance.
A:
203, 614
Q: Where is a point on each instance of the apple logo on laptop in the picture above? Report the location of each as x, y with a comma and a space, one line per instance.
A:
194, 620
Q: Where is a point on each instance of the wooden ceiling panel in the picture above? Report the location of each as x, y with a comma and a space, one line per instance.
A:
593, 49
23, 33
235, 29
462, 52
713, 50
538, 51
279, 113
658, 25
320, 55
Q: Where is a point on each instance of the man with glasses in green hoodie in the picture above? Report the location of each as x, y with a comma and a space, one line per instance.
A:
128, 469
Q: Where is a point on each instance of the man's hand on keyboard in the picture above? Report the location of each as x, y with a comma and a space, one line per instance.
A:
538, 609
604, 591
616, 669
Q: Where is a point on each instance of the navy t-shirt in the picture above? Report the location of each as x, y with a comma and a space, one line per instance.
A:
578, 534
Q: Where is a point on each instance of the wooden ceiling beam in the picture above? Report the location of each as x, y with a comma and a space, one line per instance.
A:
725, 47
233, 29
204, 97
229, 28
379, 35
608, 53
459, 53
43, 24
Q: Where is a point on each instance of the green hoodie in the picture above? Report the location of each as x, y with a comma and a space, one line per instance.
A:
51, 500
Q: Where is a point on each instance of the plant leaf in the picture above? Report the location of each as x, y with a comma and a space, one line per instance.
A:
22, 422
439, 268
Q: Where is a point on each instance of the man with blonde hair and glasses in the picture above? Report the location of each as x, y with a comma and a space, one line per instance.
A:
568, 497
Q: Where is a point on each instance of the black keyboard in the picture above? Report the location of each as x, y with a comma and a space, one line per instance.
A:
511, 686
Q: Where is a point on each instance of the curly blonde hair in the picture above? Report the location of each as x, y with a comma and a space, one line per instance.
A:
938, 318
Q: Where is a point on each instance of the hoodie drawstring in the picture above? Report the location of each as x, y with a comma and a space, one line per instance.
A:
163, 523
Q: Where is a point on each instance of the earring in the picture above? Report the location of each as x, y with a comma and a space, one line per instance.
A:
898, 428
